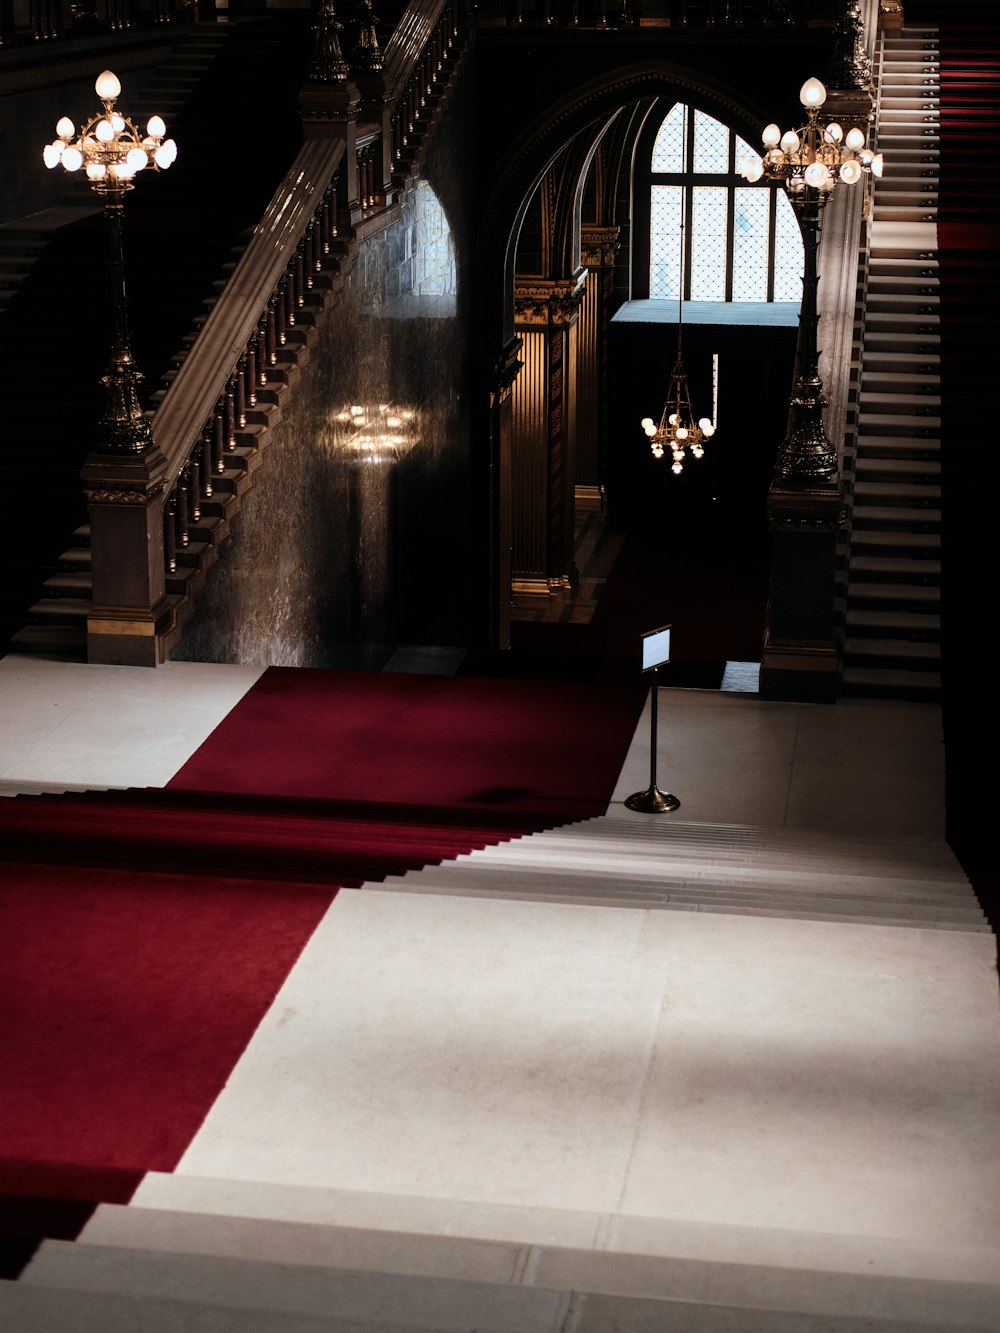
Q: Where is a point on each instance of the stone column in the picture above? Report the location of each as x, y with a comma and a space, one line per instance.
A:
599, 247
543, 434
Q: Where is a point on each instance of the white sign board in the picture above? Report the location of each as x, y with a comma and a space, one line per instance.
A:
655, 648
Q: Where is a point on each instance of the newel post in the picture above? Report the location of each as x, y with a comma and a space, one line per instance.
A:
329, 103
130, 614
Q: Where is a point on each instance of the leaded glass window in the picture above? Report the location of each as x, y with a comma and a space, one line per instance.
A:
741, 242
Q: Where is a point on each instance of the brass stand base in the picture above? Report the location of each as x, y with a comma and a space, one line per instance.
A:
652, 801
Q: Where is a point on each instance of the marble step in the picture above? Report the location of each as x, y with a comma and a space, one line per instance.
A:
896, 567
902, 322
900, 517
912, 623
753, 1269
295, 1291
901, 301
874, 538
917, 652
907, 470
895, 596
894, 374
927, 366
873, 447
917, 347
915, 212
891, 683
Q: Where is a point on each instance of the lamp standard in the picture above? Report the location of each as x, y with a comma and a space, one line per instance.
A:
812, 161
112, 151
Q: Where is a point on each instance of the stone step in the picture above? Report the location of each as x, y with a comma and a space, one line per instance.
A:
922, 386
914, 345
297, 1291
891, 683
902, 567
907, 470
914, 624
902, 302
660, 1274
897, 596
894, 516
865, 539
862, 650
870, 446
926, 367
902, 493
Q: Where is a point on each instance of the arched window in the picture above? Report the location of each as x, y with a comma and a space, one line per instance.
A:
741, 242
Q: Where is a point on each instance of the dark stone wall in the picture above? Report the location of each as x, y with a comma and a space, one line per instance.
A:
344, 547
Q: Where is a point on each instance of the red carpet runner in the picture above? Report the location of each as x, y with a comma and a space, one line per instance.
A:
147, 932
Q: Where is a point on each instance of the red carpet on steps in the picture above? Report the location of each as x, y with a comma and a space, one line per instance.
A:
147, 932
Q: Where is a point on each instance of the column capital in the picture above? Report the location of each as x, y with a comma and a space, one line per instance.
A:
548, 302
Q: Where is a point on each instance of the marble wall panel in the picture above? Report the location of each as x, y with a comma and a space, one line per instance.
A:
352, 539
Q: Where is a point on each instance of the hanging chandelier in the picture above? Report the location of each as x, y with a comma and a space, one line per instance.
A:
678, 430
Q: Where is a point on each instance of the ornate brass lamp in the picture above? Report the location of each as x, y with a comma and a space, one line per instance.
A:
111, 151
678, 430
812, 161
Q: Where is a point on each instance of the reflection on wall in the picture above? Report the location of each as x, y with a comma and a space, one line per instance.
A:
345, 545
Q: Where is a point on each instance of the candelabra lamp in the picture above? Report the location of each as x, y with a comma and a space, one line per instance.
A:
812, 161
111, 152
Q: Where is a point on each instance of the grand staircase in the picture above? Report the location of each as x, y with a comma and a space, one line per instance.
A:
893, 626
181, 229
220, 1255
741, 870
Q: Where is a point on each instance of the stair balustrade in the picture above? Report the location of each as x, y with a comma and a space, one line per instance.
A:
341, 175
615, 14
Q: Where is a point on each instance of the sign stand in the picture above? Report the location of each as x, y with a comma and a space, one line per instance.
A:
652, 801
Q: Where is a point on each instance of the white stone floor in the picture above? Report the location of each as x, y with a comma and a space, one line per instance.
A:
767, 1093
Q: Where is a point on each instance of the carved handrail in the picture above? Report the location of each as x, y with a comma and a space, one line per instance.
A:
230, 327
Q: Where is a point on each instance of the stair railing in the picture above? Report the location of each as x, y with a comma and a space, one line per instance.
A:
142, 507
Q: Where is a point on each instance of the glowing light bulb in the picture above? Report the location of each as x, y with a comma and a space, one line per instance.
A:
850, 172
155, 127
752, 171
816, 175
104, 132
165, 154
96, 171
672, 418
107, 86
855, 139
834, 132
707, 429
682, 432
72, 159
878, 165
650, 429
812, 93
790, 142
136, 158
65, 127
677, 469
117, 123
51, 153
772, 136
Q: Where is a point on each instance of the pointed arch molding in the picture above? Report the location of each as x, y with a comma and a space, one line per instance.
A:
588, 110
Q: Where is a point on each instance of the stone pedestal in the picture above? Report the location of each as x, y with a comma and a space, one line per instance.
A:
801, 655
